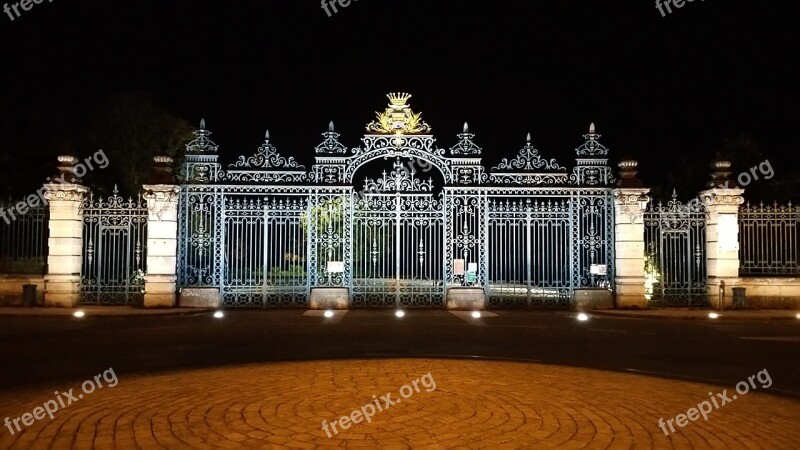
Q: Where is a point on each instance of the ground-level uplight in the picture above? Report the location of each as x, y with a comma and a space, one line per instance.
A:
798, 315
219, 315
476, 314
400, 313
79, 314
328, 314
713, 316
583, 317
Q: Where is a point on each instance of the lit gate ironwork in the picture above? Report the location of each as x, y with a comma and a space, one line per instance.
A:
675, 258
266, 232
535, 230
398, 236
114, 250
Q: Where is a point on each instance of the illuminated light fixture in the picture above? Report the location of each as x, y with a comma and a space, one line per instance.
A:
583, 317
798, 315
643, 201
400, 313
79, 314
476, 314
219, 315
328, 314
713, 316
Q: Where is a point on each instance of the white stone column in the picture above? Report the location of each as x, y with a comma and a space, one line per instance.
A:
629, 247
722, 241
162, 245
65, 244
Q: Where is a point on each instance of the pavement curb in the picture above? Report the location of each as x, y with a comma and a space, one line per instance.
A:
67, 313
724, 315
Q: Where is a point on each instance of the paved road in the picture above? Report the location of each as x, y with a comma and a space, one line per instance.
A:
410, 403
34, 350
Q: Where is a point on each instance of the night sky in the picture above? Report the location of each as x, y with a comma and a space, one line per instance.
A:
668, 91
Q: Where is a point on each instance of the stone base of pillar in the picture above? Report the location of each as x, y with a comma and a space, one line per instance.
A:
63, 291
466, 299
630, 293
329, 298
160, 291
589, 299
630, 302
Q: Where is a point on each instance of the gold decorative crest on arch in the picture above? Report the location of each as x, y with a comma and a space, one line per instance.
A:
398, 118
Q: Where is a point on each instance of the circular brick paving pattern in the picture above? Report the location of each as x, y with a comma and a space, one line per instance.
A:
474, 404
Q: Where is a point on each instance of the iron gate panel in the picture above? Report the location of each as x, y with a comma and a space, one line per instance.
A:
23, 242
114, 251
675, 261
593, 237
200, 225
769, 237
265, 249
530, 258
398, 253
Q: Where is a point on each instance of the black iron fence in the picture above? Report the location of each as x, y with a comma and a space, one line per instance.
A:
768, 239
23, 240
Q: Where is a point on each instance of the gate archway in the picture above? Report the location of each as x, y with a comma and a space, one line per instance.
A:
398, 241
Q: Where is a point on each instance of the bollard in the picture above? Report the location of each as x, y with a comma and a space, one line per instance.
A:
738, 297
29, 295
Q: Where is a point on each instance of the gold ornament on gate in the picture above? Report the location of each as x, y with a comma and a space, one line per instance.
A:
398, 118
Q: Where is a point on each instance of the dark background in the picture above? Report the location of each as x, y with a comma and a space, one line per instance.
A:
670, 91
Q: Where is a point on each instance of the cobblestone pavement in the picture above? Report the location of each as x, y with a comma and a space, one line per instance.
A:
475, 404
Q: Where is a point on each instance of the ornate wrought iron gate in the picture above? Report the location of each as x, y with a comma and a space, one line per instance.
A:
114, 253
266, 232
398, 240
265, 251
675, 261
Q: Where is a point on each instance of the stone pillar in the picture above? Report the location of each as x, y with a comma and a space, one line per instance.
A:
65, 244
630, 201
162, 236
722, 201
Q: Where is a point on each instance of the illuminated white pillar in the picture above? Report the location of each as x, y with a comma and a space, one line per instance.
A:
162, 237
65, 242
722, 241
629, 248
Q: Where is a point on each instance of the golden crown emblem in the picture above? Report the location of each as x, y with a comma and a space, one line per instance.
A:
399, 98
398, 118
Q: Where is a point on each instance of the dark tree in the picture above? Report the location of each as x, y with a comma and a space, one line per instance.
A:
132, 128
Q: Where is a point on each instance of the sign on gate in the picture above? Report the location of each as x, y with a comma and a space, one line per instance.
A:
472, 277
335, 266
458, 267
599, 269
